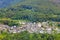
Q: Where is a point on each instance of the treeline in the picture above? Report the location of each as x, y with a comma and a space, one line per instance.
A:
28, 36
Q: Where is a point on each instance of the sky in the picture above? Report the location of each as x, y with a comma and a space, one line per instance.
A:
4, 3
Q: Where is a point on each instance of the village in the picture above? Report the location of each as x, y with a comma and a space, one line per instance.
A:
39, 27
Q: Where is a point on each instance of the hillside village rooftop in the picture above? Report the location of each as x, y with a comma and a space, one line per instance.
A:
39, 27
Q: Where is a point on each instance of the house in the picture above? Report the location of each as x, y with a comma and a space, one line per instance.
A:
45, 24
49, 30
39, 24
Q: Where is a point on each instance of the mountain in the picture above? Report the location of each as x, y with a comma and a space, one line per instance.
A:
32, 10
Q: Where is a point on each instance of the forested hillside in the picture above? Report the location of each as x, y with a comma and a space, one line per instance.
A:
33, 10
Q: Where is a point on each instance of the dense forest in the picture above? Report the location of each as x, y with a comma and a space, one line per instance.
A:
33, 10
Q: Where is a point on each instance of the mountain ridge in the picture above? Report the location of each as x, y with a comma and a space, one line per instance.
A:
5, 3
